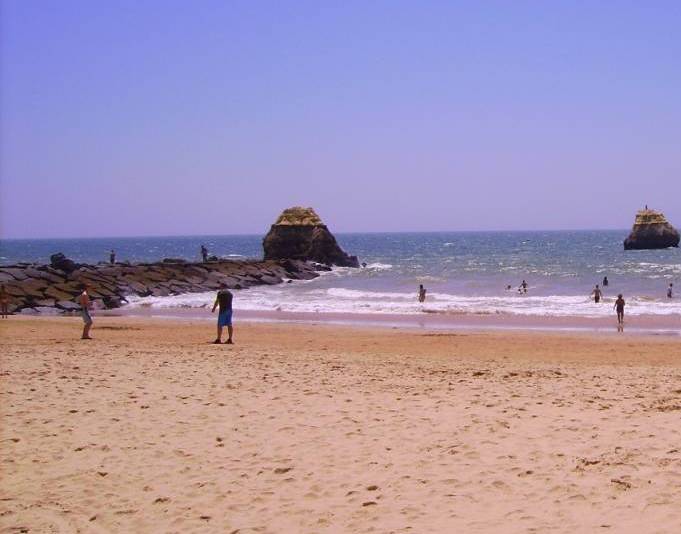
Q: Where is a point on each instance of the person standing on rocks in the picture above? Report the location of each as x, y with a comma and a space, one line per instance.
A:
112, 257
4, 301
224, 301
204, 253
85, 305
597, 294
422, 293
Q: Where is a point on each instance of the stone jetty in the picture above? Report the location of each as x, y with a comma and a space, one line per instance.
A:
44, 288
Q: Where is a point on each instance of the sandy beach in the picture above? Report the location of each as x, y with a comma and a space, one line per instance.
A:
322, 428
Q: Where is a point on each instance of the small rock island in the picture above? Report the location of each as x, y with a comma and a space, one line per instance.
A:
300, 234
651, 231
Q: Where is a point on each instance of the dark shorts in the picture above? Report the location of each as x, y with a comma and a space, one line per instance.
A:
225, 318
597, 299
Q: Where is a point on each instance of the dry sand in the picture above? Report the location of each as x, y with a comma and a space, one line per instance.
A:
148, 428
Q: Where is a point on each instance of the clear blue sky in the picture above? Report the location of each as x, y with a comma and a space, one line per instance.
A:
178, 117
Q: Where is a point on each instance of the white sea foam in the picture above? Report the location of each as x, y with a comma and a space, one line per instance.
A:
379, 266
299, 297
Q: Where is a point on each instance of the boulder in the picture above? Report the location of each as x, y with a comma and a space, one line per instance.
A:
651, 231
300, 234
113, 302
43, 274
15, 273
61, 262
67, 305
58, 294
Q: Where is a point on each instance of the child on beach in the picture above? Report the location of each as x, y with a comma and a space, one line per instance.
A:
619, 306
4, 301
84, 301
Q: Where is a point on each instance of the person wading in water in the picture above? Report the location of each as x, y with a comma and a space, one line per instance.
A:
597, 294
619, 306
422, 293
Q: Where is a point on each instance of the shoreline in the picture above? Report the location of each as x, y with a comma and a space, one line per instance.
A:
669, 325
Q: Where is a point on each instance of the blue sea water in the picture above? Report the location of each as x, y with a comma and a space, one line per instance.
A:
464, 272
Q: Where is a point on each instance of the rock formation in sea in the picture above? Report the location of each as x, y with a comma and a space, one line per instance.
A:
651, 230
44, 288
300, 234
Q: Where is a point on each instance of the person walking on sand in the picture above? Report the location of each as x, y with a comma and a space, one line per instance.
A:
112, 257
523, 286
4, 301
597, 294
204, 253
85, 305
224, 301
605, 281
670, 291
619, 306
422, 293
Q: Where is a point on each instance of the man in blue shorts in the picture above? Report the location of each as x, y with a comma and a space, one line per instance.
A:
224, 301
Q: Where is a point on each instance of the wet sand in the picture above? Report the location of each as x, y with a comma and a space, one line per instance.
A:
319, 428
669, 324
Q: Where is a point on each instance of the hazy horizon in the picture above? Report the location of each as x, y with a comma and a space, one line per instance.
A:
358, 232
171, 118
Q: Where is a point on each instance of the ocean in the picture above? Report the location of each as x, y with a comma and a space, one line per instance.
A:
463, 272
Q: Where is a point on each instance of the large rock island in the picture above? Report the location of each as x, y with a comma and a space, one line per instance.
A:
300, 234
651, 231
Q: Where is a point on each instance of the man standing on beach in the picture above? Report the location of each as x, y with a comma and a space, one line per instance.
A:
84, 301
224, 301
670, 291
597, 294
422, 293
619, 306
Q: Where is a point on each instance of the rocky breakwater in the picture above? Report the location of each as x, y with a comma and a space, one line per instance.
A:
300, 234
651, 230
44, 288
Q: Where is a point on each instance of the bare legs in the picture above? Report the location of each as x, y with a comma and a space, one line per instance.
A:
86, 330
230, 331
